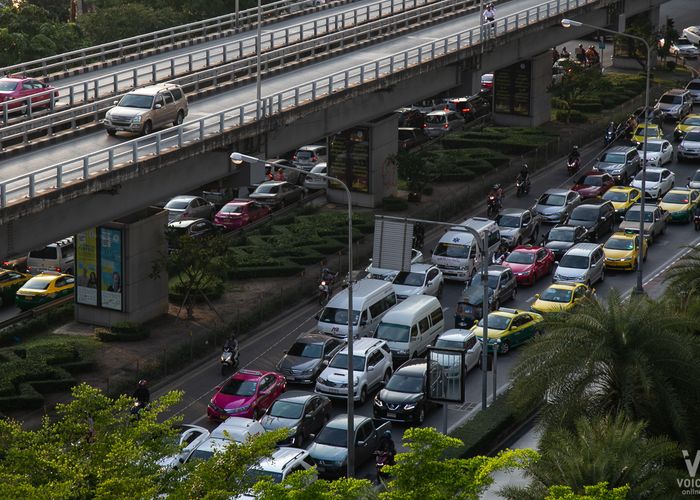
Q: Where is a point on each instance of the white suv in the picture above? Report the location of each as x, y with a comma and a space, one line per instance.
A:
371, 365
282, 463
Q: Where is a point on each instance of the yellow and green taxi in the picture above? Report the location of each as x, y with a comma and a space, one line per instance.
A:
509, 328
622, 198
653, 132
622, 250
44, 288
688, 122
680, 203
10, 282
562, 296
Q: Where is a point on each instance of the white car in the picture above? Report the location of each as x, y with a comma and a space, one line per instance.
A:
689, 148
378, 273
192, 436
659, 152
277, 467
233, 429
464, 340
694, 88
316, 179
422, 279
371, 365
692, 34
683, 48
694, 181
189, 207
659, 181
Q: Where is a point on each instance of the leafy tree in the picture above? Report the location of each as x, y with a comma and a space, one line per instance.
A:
123, 21
423, 472
609, 450
598, 491
302, 486
634, 357
414, 169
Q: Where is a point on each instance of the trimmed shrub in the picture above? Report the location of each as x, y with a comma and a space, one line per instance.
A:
123, 332
394, 204
587, 106
286, 269
213, 288
572, 116
558, 103
37, 325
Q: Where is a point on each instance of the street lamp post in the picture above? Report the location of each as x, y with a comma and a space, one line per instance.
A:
258, 49
239, 158
569, 23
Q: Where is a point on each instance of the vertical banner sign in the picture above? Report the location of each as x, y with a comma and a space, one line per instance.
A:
111, 286
511, 86
348, 158
86, 267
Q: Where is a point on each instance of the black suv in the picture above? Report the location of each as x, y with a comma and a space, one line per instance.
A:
621, 162
404, 397
596, 215
561, 238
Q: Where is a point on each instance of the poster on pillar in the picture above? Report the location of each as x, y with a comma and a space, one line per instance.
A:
111, 272
348, 158
86, 267
511, 89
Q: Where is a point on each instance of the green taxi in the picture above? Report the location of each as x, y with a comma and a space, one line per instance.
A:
44, 288
10, 282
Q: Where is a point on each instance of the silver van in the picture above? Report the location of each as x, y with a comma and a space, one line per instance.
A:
582, 263
456, 254
371, 299
442, 122
58, 257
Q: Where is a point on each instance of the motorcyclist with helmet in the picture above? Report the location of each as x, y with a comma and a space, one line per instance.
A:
386, 451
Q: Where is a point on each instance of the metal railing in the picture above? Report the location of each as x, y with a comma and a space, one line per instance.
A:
168, 36
408, 13
106, 160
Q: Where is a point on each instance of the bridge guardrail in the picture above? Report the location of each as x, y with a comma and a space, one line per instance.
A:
131, 152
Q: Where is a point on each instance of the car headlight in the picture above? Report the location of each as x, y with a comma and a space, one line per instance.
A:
401, 352
409, 406
681, 148
293, 430
238, 410
378, 401
321, 380
136, 119
357, 381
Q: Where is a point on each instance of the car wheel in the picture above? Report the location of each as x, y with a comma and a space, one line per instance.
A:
179, 118
111, 132
505, 347
363, 395
147, 128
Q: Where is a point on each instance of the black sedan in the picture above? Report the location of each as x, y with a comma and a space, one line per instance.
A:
277, 194
307, 357
561, 238
301, 412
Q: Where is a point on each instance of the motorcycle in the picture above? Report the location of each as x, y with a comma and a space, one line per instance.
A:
229, 356
696, 221
494, 205
522, 187
572, 166
609, 137
324, 292
137, 408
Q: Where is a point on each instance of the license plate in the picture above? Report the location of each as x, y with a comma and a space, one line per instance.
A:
335, 391
390, 414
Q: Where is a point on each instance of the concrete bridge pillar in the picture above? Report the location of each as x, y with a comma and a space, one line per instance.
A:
520, 92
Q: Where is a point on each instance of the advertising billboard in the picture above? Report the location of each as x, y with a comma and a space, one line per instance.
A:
111, 269
86, 267
348, 158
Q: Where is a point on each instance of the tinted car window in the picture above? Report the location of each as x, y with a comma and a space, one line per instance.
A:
585, 213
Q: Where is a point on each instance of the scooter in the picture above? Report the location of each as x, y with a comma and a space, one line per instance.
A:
696, 221
522, 187
493, 206
609, 137
572, 166
324, 292
229, 356
137, 408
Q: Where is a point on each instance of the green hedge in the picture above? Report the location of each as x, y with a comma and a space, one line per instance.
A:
37, 325
212, 287
288, 269
572, 116
590, 106
124, 332
394, 204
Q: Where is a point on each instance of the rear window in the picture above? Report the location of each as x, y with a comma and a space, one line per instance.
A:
435, 119
49, 253
302, 154
585, 213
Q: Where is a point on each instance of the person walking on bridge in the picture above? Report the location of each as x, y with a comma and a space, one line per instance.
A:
490, 20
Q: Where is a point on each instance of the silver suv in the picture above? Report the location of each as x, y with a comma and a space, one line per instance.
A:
142, 111
622, 162
675, 104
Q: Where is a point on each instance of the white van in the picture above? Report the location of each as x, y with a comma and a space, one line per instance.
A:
456, 254
410, 327
58, 257
371, 299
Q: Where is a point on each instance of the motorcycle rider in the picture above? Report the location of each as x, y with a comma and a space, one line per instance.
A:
142, 394
575, 155
231, 343
497, 193
386, 446
500, 254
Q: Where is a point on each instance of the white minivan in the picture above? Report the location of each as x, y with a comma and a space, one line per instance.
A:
58, 257
456, 254
411, 326
371, 299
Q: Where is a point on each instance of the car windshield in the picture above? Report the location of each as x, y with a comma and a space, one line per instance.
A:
476, 282
650, 131
259, 475
508, 220
613, 158
451, 250
44, 253
451, 344
574, 261
552, 200
392, 332
497, 322
670, 99
681, 198
285, 409
653, 147
304, 350
692, 137
615, 196
692, 120
340, 360
319, 169
333, 437
556, 295
651, 176
37, 284
585, 213
633, 216
267, 189
410, 279
177, 204
593, 180
694, 86
238, 387
7, 85
232, 209
561, 234
136, 101
402, 383
338, 316
619, 244
521, 258
436, 119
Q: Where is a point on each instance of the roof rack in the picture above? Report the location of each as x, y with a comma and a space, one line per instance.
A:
507, 310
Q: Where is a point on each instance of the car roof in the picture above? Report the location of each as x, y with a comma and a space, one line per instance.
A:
273, 183
565, 226
249, 374
241, 201
527, 248
582, 248
183, 197
299, 397
46, 277
680, 190
154, 89
420, 267
593, 173
313, 338
595, 202
311, 147
564, 285
456, 334
623, 189
558, 191
656, 141
512, 211
496, 269
280, 459
656, 169
623, 234
363, 345
413, 367
676, 91
184, 224
341, 421
620, 149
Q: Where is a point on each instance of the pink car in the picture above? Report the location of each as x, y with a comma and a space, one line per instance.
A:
247, 393
529, 263
238, 213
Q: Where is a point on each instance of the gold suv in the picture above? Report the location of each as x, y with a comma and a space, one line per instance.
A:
143, 110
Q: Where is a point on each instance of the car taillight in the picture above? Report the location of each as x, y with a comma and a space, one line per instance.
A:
58, 269
446, 125
294, 158
466, 110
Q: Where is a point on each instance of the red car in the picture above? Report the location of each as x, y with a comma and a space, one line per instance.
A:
17, 87
238, 213
247, 393
593, 184
529, 263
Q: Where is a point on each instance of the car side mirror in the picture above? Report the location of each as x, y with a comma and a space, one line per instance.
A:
556, 262
476, 322
158, 106
117, 102
537, 296
382, 383
285, 352
370, 368
325, 362
311, 436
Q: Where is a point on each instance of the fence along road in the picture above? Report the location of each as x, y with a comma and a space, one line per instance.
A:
100, 154
224, 75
